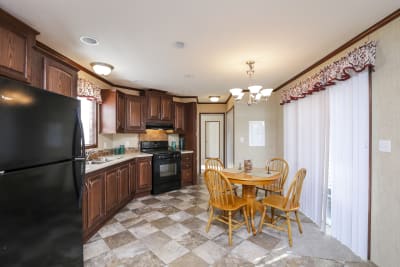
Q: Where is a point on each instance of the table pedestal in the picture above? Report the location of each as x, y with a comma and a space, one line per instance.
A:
249, 193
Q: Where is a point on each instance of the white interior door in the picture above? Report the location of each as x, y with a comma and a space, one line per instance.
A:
212, 129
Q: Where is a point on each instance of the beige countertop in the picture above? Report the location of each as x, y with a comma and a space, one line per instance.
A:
115, 159
186, 151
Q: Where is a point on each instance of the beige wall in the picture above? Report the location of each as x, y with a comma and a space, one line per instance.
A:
385, 230
272, 114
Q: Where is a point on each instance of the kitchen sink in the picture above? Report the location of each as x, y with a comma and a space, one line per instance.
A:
102, 160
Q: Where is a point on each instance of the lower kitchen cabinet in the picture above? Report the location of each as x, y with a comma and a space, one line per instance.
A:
124, 193
144, 176
187, 169
109, 189
93, 206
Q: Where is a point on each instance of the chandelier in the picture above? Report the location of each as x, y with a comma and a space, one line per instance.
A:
255, 92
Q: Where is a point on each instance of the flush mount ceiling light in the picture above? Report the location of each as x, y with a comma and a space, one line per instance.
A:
102, 68
89, 40
214, 98
255, 92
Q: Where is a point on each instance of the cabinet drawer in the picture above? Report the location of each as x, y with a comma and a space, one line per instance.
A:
186, 175
186, 157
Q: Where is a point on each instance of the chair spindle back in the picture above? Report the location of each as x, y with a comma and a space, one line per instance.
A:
292, 198
219, 187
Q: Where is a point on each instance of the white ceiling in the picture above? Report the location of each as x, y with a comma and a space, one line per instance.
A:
137, 37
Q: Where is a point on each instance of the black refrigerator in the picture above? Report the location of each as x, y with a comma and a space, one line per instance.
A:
42, 168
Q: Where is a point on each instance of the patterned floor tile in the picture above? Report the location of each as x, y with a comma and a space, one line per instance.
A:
143, 230
189, 259
111, 229
176, 230
191, 240
210, 252
180, 216
119, 239
169, 229
163, 222
170, 251
249, 251
130, 250
94, 249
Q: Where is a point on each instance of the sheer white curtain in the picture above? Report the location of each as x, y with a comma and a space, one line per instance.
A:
306, 131
328, 134
349, 161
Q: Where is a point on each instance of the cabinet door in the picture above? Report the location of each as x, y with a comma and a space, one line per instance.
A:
123, 183
134, 114
111, 197
179, 120
16, 41
59, 78
93, 200
132, 177
144, 176
166, 108
153, 107
120, 112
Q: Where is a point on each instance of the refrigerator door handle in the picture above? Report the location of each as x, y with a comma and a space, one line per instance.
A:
79, 181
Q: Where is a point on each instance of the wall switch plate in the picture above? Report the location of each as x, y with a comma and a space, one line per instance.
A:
385, 145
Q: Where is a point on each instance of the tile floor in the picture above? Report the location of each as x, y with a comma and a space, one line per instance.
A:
168, 230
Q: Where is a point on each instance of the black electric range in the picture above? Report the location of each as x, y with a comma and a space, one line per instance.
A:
166, 166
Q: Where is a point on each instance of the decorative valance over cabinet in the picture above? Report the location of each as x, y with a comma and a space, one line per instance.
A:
340, 70
89, 90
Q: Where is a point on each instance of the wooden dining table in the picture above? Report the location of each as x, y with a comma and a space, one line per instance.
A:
249, 181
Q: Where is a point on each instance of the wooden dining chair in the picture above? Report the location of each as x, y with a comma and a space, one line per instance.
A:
280, 165
216, 164
223, 198
286, 204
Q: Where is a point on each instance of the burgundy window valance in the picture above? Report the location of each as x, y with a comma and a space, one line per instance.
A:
340, 70
89, 90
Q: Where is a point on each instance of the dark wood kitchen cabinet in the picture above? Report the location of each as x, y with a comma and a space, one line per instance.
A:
179, 118
159, 107
16, 42
93, 206
53, 75
122, 113
60, 78
111, 184
135, 113
109, 189
112, 112
187, 169
144, 176
124, 193
132, 177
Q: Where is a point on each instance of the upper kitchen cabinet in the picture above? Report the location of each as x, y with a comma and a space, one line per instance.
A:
16, 42
122, 113
112, 112
179, 118
159, 107
60, 78
53, 75
135, 113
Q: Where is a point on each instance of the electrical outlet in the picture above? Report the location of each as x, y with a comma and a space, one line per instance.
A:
385, 145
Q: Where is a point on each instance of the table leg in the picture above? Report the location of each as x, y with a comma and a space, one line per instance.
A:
249, 193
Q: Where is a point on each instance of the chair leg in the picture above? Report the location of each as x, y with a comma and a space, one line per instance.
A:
289, 229
246, 219
210, 219
230, 228
298, 222
262, 219
272, 215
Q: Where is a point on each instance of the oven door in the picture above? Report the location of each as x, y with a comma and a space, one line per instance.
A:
166, 173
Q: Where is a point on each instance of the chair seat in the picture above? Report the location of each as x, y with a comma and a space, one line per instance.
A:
278, 201
236, 204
